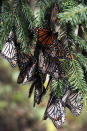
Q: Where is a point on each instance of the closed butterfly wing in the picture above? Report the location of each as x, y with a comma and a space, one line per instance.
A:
39, 90
23, 60
31, 88
56, 112
48, 105
59, 123
9, 51
27, 65
21, 77
39, 93
30, 73
75, 103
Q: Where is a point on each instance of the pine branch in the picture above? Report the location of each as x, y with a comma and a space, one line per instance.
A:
67, 4
82, 43
12, 15
45, 10
6, 27
75, 15
45, 3
57, 87
82, 59
5, 6
40, 18
29, 15
76, 77
22, 33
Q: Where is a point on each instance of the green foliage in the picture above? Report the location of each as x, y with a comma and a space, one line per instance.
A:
75, 15
57, 87
29, 16
44, 13
82, 43
17, 14
66, 4
22, 33
76, 77
6, 27
82, 59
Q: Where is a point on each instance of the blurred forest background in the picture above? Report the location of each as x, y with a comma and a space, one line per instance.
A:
16, 109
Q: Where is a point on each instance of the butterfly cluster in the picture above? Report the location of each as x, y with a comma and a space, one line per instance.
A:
41, 68
56, 107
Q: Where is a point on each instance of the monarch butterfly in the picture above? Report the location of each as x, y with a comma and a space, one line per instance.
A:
27, 66
75, 103
30, 73
55, 111
9, 51
52, 95
51, 66
45, 36
23, 59
60, 121
63, 51
38, 94
58, 51
39, 90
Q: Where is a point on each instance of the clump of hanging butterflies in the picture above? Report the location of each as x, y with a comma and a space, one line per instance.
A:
42, 68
